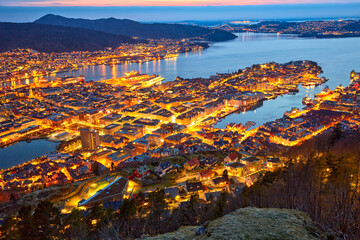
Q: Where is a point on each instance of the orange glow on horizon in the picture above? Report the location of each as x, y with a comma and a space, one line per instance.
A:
157, 3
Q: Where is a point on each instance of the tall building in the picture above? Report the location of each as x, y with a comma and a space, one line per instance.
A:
31, 94
90, 139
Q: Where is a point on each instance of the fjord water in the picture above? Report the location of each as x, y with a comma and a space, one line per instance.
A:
337, 57
24, 151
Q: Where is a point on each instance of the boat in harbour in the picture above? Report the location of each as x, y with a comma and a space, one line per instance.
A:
307, 101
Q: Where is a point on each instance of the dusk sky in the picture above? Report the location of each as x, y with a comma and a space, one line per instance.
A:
180, 10
161, 2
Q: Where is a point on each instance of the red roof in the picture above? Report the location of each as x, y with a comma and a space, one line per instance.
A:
233, 156
193, 162
207, 173
210, 135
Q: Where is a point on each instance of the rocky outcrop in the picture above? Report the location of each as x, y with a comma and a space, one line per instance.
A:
251, 223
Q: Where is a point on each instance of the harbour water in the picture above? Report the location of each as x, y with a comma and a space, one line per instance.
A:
20, 152
338, 57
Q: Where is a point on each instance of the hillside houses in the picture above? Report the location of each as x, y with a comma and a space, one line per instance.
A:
163, 168
233, 157
194, 187
191, 164
205, 175
141, 172
252, 163
236, 169
274, 163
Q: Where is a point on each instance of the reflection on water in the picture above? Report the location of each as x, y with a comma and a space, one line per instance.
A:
246, 37
337, 57
24, 151
270, 109
114, 70
102, 72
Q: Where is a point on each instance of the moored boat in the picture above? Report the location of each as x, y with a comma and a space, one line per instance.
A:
307, 101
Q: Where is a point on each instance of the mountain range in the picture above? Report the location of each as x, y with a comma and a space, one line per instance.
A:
139, 30
53, 33
47, 38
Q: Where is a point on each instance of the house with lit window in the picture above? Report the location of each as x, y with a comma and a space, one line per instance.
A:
274, 163
252, 163
236, 169
232, 157
141, 171
205, 175
191, 164
194, 187
163, 168
219, 182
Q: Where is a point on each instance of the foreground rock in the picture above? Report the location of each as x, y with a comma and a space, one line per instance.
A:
252, 223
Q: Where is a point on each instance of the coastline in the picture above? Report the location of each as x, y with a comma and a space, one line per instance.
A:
203, 45
27, 161
304, 36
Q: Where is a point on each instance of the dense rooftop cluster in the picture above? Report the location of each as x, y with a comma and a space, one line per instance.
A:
145, 131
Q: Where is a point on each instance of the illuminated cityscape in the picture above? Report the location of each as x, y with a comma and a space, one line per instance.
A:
140, 124
117, 150
22, 66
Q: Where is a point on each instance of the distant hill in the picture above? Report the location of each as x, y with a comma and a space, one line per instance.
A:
48, 38
312, 29
141, 30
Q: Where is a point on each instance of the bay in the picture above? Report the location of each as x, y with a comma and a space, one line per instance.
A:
21, 152
338, 57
